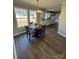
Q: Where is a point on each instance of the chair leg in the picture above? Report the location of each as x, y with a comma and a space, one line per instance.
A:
41, 36
29, 37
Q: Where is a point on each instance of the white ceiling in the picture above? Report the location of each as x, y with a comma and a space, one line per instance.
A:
51, 5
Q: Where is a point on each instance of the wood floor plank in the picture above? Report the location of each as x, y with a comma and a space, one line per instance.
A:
53, 46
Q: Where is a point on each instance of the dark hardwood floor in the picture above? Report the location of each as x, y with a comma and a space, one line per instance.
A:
53, 46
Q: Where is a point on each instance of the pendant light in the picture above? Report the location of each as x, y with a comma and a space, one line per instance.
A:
37, 8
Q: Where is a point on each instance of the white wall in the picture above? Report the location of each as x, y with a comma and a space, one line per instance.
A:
62, 23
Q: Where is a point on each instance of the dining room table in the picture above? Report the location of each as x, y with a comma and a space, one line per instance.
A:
33, 26
36, 29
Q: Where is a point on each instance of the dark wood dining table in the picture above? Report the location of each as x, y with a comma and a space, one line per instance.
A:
36, 29
35, 26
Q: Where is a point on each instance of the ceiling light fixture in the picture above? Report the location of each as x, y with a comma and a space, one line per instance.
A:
37, 8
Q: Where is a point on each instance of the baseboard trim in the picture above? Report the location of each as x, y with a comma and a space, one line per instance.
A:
19, 33
61, 34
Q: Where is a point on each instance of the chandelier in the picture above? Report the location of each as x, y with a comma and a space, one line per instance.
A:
37, 8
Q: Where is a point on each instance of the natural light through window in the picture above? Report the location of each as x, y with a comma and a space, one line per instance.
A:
21, 17
33, 16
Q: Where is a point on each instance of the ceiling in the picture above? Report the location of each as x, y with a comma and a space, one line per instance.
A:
51, 5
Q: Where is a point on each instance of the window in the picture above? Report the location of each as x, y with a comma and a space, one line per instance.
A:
21, 17
33, 16
47, 15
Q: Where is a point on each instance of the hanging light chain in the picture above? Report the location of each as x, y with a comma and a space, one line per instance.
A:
37, 9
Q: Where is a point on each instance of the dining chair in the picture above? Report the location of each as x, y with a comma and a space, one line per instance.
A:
40, 32
43, 30
30, 32
27, 31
